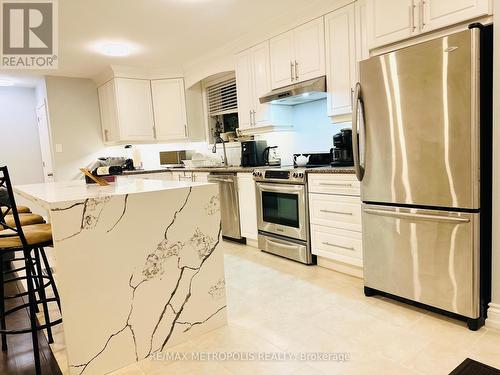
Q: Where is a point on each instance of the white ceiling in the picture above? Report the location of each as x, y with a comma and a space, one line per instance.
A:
165, 33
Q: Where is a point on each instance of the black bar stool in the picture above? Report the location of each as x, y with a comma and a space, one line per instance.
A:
27, 244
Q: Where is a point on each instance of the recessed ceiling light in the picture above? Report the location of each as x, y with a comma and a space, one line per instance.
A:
6, 82
306, 94
115, 49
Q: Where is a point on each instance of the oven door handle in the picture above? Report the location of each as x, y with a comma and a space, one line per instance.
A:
281, 188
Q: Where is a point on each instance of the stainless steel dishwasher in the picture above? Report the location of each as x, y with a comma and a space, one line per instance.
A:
229, 205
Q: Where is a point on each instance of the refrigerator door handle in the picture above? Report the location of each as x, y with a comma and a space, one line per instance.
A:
408, 215
359, 166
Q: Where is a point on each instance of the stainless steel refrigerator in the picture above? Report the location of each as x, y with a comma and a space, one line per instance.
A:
421, 139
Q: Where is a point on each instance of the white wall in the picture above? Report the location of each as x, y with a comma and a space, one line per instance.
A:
75, 125
19, 142
312, 132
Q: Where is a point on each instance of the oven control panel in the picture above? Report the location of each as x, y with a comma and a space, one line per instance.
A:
285, 175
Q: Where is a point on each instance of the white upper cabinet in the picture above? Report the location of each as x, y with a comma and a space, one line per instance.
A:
309, 46
341, 59
391, 20
109, 115
361, 14
169, 105
244, 87
394, 20
282, 60
261, 79
135, 109
298, 55
441, 13
143, 110
253, 80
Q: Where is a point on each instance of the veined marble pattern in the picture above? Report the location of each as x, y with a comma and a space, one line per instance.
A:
137, 274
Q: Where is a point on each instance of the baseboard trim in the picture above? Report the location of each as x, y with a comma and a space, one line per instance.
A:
340, 267
493, 320
252, 243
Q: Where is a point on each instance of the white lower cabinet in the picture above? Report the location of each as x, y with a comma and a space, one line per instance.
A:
248, 206
336, 211
337, 244
335, 218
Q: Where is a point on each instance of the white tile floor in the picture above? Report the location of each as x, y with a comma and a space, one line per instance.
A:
276, 305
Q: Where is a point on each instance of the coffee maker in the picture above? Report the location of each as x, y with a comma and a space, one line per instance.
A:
252, 153
342, 149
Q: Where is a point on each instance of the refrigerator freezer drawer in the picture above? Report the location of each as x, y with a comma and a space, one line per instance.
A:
427, 256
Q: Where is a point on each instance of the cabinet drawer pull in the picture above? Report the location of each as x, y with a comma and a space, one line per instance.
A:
335, 184
336, 212
340, 246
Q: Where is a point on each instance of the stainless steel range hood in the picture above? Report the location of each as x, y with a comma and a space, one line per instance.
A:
304, 92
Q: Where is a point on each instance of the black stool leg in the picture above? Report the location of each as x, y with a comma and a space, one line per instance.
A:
43, 296
50, 276
37, 285
32, 304
2, 305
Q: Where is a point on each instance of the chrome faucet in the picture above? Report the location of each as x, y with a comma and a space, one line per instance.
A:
218, 139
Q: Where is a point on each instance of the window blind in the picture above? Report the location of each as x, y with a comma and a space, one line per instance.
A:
222, 98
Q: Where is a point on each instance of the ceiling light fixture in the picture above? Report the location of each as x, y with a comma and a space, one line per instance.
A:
115, 49
6, 82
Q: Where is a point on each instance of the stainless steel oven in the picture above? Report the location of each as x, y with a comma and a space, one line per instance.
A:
282, 213
281, 209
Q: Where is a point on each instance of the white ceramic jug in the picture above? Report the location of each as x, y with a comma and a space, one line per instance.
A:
301, 160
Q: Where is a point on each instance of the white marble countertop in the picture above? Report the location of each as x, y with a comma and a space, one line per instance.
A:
47, 194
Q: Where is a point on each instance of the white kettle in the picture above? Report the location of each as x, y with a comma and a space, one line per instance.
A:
301, 160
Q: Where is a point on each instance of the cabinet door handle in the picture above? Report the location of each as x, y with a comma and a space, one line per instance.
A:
412, 16
292, 75
421, 15
342, 247
296, 70
106, 138
185, 130
336, 212
154, 132
335, 184
254, 121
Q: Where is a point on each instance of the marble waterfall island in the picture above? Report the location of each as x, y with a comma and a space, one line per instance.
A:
139, 267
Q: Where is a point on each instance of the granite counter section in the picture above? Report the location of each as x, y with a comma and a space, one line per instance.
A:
201, 169
337, 170
333, 170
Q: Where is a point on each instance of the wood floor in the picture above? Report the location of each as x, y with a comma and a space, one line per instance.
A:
18, 360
